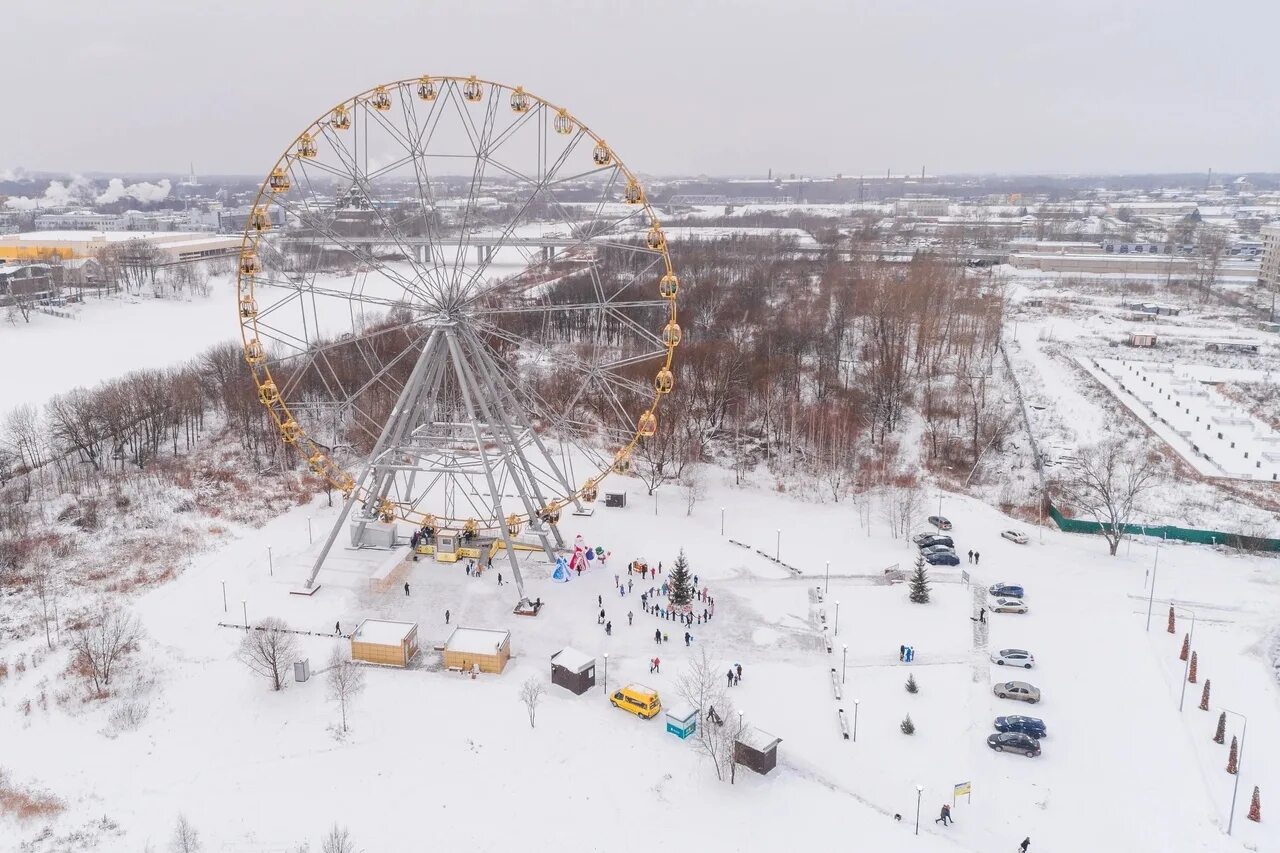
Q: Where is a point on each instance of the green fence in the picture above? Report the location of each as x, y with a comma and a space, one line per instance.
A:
1169, 531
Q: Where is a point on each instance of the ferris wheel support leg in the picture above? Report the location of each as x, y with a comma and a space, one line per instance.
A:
338, 524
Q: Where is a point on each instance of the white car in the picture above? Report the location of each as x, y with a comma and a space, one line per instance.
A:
1008, 605
1014, 657
1014, 536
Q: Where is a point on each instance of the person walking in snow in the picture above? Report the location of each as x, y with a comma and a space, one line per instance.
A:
608, 629
945, 817
653, 664
499, 578
657, 665
1026, 842
657, 635
599, 601
738, 666
902, 653
629, 615
977, 558
600, 618
687, 638
729, 677
970, 560
406, 588
629, 584
982, 614
446, 617
337, 628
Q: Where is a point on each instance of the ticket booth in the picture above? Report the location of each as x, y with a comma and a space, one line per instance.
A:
447, 542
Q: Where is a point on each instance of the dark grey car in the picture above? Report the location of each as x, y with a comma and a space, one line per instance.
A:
1014, 742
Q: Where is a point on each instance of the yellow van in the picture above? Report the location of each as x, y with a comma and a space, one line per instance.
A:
639, 700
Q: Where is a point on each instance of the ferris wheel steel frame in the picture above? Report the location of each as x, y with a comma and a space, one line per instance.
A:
456, 317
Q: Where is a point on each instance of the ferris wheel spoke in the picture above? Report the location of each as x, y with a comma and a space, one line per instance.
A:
552, 307
361, 181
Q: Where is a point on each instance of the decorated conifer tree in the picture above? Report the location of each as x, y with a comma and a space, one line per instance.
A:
1233, 757
1220, 735
1186, 647
920, 582
680, 581
1204, 696
1171, 621
1255, 806
1191, 673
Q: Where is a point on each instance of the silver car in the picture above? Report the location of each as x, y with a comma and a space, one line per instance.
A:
1008, 605
1014, 657
1019, 690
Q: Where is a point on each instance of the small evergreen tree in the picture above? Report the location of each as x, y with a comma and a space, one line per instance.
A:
680, 581
1191, 673
912, 687
1233, 757
1186, 647
920, 582
1171, 621
1204, 697
1255, 806
1220, 735
908, 727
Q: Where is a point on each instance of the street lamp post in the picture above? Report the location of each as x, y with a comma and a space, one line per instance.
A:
310, 539
919, 795
271, 566
837, 631
224, 596
778, 553
1186, 670
844, 663
721, 521
855, 720
1152, 594
606, 675
826, 583
245, 605
1239, 761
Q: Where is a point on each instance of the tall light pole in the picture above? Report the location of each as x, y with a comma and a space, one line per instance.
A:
778, 553
844, 663
244, 604
1239, 761
855, 720
1186, 670
919, 795
837, 632
826, 584
1152, 594
721, 521
224, 596
606, 675
271, 566
310, 539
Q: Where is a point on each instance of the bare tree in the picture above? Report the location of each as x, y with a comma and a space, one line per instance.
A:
531, 693
700, 686
268, 649
108, 633
900, 506
185, 838
337, 841
46, 579
138, 261
1107, 482
694, 488
345, 679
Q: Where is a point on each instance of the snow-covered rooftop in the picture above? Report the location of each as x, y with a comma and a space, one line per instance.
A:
383, 633
572, 659
476, 641
757, 739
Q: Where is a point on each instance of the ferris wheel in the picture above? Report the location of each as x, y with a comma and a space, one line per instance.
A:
457, 304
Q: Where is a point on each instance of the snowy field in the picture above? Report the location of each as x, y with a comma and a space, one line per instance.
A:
1213, 434
437, 759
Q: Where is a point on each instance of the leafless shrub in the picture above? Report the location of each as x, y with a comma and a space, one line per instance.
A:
109, 633
26, 803
185, 839
337, 841
531, 693
345, 680
268, 649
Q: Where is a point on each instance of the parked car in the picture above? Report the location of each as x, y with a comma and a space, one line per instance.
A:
1007, 590
1008, 605
1032, 726
1014, 657
940, 522
937, 549
638, 700
925, 540
1014, 536
1020, 690
942, 558
1014, 742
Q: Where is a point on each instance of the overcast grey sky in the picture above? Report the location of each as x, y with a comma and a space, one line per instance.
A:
676, 87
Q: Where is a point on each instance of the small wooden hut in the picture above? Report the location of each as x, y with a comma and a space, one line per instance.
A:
391, 643
682, 720
487, 649
573, 670
756, 749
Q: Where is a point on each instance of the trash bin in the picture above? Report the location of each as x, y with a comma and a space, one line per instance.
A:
615, 499
302, 669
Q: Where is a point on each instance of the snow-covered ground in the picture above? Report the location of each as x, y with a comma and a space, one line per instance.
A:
436, 759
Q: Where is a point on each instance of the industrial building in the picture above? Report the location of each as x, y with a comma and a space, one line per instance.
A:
174, 246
